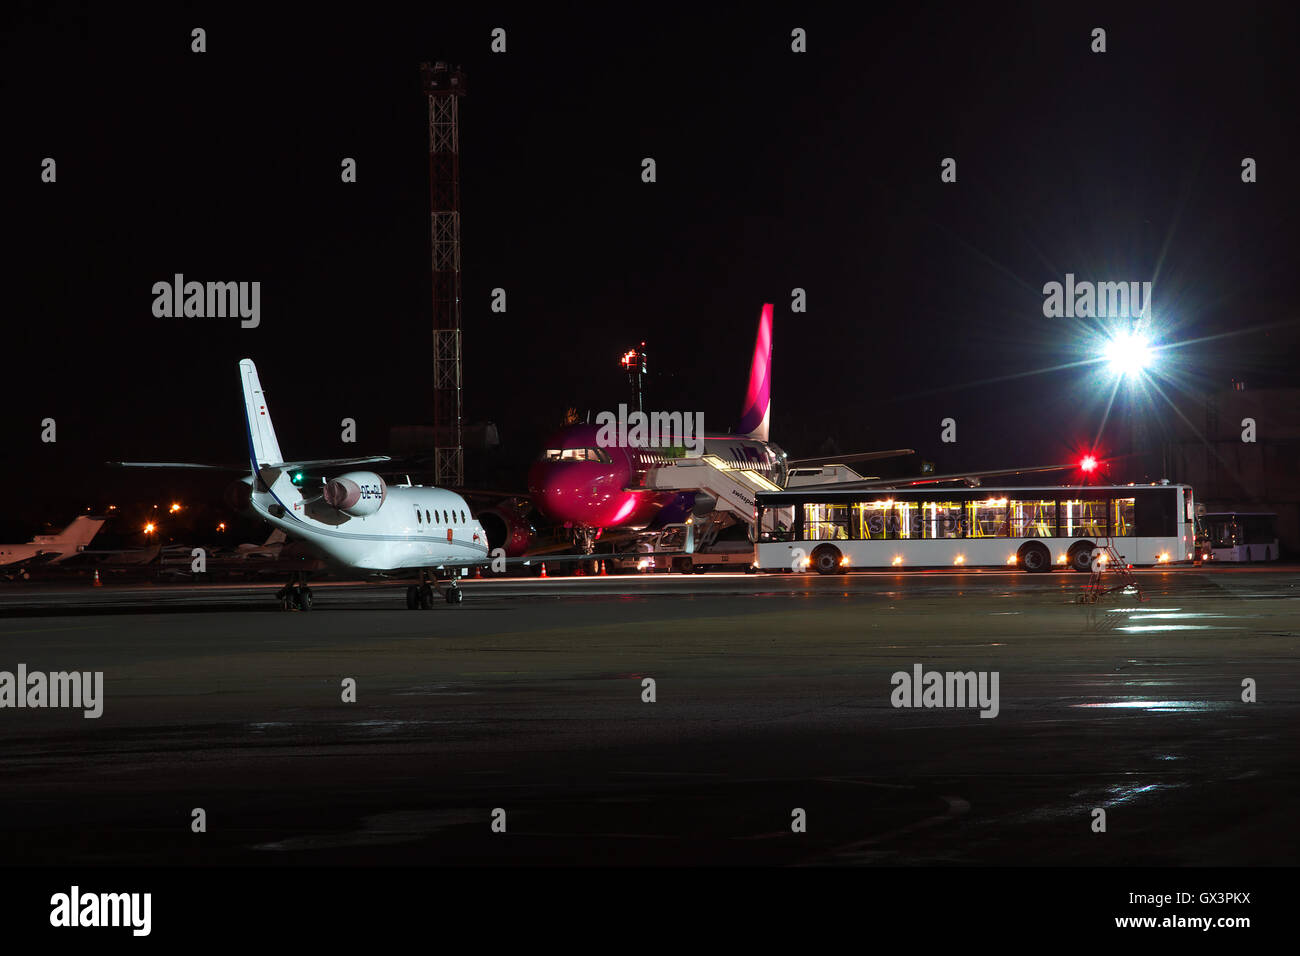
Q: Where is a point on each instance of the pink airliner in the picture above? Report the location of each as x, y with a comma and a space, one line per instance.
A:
580, 485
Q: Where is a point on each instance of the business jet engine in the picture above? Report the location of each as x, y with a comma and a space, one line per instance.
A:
358, 493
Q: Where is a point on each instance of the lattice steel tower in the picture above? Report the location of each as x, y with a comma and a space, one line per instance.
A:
445, 85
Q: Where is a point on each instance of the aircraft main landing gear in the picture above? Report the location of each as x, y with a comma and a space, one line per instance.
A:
420, 596
296, 595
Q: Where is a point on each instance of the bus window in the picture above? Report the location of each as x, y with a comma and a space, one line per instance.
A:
826, 522
1084, 519
908, 521
1222, 533
1156, 513
1121, 517
1259, 529
988, 519
1033, 518
942, 519
875, 520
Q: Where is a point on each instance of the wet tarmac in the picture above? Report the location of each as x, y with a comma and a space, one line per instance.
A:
773, 694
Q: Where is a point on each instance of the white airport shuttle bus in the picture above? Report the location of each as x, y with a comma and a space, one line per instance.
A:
1239, 536
1036, 528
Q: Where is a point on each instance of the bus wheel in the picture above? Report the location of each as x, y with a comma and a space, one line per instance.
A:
1035, 557
826, 559
1080, 556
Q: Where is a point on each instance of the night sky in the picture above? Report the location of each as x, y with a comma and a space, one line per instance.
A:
775, 170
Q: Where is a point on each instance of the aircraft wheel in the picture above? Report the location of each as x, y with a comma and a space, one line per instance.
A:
454, 595
426, 597
1035, 557
412, 598
1079, 556
305, 599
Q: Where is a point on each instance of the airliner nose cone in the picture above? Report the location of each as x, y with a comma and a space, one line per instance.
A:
579, 492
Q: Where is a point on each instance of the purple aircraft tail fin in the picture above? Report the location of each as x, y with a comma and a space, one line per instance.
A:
758, 397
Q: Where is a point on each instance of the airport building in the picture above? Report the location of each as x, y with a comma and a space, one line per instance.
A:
1229, 471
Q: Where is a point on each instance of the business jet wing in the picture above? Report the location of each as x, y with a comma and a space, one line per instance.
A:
970, 477
849, 459
282, 465
176, 464
39, 559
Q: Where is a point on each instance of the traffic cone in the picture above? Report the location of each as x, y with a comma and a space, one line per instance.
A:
97, 583
603, 572
543, 569
478, 570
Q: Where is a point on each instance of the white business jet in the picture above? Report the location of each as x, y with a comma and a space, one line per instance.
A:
51, 548
358, 520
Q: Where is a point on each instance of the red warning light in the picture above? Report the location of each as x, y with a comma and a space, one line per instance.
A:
1089, 463
634, 360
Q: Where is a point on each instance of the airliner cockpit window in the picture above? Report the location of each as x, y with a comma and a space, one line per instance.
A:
577, 454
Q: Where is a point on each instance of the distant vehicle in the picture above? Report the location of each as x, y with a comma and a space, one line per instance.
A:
51, 548
1037, 529
1239, 536
730, 553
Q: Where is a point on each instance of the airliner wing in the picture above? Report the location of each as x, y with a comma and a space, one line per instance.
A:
849, 459
970, 477
526, 560
326, 462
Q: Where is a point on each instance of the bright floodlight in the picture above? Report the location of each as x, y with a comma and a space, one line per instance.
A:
1128, 354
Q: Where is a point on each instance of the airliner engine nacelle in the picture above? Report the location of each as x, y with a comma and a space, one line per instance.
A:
507, 528
703, 504
358, 493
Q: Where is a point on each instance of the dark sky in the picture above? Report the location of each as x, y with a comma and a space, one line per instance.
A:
775, 170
